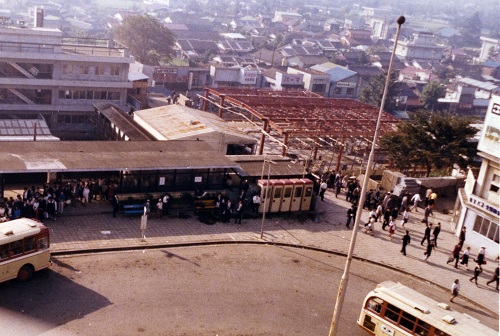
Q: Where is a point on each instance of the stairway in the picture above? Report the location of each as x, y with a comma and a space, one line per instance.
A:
22, 96
22, 70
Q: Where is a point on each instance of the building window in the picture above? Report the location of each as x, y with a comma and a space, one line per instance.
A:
486, 228
85, 69
350, 91
115, 71
319, 88
114, 95
495, 183
99, 71
337, 91
67, 69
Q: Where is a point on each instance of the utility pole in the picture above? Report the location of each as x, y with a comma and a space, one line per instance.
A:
345, 276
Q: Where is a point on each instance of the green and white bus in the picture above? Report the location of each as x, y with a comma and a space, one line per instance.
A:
24, 249
392, 309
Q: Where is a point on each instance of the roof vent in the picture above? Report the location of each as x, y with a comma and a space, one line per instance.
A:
443, 305
7, 232
449, 319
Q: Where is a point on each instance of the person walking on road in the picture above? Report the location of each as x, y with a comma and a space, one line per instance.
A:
461, 237
415, 200
392, 227
435, 234
427, 235
465, 258
387, 218
406, 216
406, 241
455, 255
455, 289
481, 256
322, 189
379, 212
338, 186
404, 203
428, 250
350, 215
477, 270
494, 278
427, 213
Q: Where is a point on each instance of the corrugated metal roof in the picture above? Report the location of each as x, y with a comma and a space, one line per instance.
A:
481, 85
180, 122
60, 156
122, 121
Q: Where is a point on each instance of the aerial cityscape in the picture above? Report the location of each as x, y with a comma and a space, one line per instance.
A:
249, 167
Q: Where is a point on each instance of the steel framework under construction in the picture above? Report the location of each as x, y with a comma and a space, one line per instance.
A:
299, 119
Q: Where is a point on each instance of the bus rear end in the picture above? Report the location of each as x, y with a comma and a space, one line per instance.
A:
24, 249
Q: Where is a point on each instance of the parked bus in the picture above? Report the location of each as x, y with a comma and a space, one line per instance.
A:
24, 249
394, 309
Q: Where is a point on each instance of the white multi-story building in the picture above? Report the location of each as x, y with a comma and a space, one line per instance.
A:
44, 73
489, 47
478, 203
421, 47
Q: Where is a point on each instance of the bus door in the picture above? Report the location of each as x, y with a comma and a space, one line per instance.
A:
286, 200
265, 193
298, 188
307, 195
277, 194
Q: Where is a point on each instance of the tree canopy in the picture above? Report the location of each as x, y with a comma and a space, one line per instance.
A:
431, 140
147, 39
431, 92
373, 92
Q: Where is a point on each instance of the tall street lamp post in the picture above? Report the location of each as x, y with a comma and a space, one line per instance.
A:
345, 276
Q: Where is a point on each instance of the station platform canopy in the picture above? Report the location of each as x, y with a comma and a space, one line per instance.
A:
92, 156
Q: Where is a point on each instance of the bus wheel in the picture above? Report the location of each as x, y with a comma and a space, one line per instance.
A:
25, 273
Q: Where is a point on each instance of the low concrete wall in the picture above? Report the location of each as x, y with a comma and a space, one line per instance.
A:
390, 179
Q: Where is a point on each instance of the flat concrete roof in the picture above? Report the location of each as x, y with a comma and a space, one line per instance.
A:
72, 156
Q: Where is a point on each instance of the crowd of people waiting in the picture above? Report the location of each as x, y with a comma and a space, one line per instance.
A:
50, 200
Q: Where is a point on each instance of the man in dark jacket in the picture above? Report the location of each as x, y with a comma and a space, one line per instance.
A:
427, 235
406, 241
350, 215
435, 234
455, 254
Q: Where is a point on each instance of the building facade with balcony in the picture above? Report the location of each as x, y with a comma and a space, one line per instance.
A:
44, 73
420, 47
478, 203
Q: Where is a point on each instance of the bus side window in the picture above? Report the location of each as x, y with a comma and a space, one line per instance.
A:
392, 312
43, 243
438, 332
407, 321
4, 253
29, 244
16, 248
423, 328
374, 304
